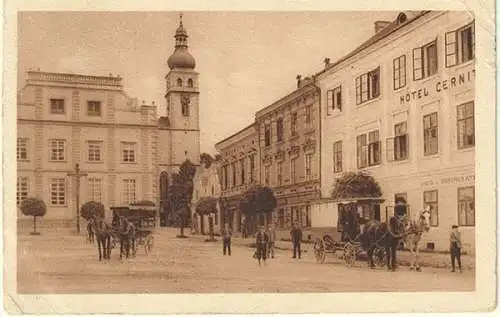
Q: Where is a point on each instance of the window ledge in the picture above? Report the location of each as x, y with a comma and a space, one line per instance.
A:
94, 162
369, 102
58, 161
62, 206
129, 162
429, 78
431, 156
400, 89
367, 168
463, 64
23, 160
466, 149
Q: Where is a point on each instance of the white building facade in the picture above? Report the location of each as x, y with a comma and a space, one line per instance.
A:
401, 108
125, 148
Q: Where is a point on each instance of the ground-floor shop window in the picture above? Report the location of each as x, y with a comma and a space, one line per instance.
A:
431, 200
466, 212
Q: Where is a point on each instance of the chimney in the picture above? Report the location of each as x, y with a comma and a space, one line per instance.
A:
298, 80
327, 62
380, 25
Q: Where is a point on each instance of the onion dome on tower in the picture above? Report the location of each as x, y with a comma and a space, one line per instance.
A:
181, 58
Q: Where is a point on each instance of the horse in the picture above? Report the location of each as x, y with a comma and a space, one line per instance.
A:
414, 230
102, 232
90, 230
385, 235
126, 233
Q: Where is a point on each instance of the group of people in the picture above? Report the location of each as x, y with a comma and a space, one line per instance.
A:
265, 242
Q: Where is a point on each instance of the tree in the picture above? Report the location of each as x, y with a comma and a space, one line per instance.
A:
33, 207
208, 206
181, 193
356, 185
206, 160
256, 201
92, 209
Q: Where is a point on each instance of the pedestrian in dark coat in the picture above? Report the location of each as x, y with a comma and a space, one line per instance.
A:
261, 243
226, 235
296, 235
455, 248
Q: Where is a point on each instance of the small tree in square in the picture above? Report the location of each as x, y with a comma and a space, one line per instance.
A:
92, 209
256, 201
181, 194
33, 207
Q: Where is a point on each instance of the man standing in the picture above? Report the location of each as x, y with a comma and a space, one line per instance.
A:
455, 248
226, 235
261, 243
296, 235
272, 241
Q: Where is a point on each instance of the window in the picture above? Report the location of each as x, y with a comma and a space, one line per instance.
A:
95, 189
337, 157
226, 178
233, 168
279, 174
57, 106
293, 125
128, 191
22, 149
308, 115
398, 147
466, 212
399, 72
190, 83
57, 149
58, 191
368, 86
94, 151
368, 153
334, 99
308, 216
465, 125
216, 218
400, 142
293, 174
460, 45
431, 200
425, 61
431, 139
179, 82
93, 108
128, 152
308, 159
242, 167
22, 189
279, 129
281, 218
267, 135
267, 174
252, 168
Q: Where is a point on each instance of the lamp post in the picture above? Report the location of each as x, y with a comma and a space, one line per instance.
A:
77, 174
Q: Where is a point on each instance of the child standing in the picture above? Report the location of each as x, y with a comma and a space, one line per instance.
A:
455, 248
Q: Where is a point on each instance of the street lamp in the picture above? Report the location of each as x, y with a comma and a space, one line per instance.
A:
77, 174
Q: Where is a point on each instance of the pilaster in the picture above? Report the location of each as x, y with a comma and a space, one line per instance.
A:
75, 105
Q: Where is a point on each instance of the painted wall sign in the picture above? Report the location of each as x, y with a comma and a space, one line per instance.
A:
439, 86
448, 180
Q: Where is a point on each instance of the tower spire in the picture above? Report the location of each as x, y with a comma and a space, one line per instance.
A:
180, 16
181, 57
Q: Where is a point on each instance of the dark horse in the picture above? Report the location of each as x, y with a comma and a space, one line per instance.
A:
126, 233
383, 235
102, 232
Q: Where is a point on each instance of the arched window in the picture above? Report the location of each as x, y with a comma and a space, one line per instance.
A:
190, 83
179, 82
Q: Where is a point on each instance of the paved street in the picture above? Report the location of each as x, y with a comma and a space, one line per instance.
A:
57, 262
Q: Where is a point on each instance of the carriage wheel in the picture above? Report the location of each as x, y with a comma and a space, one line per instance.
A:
349, 254
148, 245
380, 256
320, 256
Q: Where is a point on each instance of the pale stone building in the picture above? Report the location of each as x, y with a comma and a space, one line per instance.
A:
401, 107
238, 172
123, 146
206, 183
289, 132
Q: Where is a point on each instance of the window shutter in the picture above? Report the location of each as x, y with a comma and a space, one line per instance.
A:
390, 149
451, 48
417, 64
358, 90
339, 98
473, 39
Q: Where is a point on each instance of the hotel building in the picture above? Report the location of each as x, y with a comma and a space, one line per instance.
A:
401, 108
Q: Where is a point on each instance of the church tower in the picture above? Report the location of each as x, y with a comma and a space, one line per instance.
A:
182, 99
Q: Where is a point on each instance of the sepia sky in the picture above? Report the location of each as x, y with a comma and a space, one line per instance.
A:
246, 60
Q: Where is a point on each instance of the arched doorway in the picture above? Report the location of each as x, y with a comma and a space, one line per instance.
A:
164, 205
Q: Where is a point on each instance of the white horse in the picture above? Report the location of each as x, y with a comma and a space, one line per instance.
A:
414, 230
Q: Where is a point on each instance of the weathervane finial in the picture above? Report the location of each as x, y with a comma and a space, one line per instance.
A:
180, 15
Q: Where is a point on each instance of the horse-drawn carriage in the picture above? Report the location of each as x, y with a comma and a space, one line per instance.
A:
354, 242
143, 220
